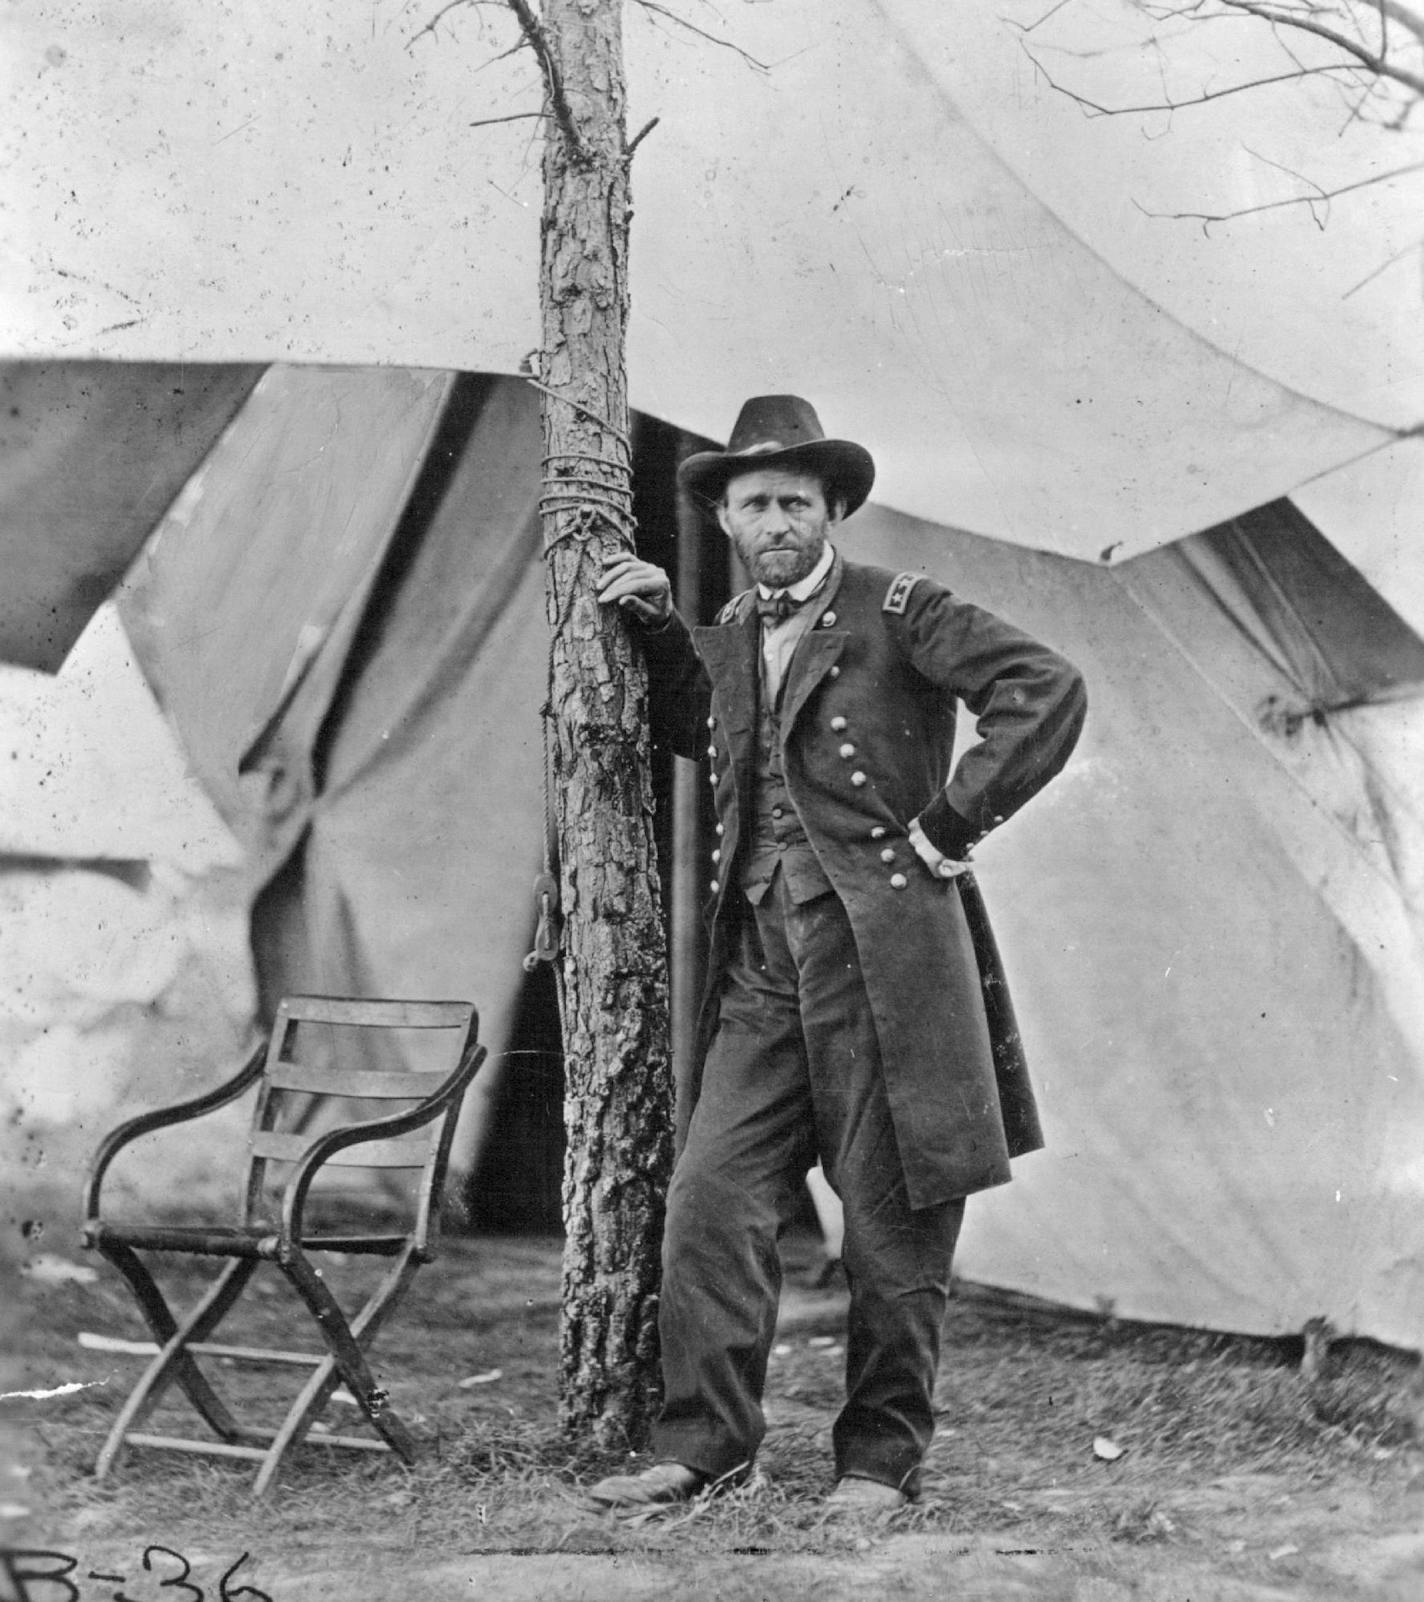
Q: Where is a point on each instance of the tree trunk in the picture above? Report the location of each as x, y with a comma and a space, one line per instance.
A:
615, 1006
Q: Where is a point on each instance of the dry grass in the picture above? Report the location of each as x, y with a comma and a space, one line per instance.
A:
1025, 1392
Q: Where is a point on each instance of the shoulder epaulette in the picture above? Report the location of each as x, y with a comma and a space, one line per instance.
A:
897, 597
732, 611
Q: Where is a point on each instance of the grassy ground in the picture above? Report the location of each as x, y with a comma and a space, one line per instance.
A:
1234, 1465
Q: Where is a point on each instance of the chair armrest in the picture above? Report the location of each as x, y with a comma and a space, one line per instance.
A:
162, 1118
326, 1146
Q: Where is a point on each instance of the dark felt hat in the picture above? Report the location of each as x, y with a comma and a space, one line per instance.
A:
782, 431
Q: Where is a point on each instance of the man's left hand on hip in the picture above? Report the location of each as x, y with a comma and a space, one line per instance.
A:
941, 866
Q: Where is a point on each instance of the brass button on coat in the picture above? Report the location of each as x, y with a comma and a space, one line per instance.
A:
857, 778
838, 725
888, 854
878, 832
898, 881
847, 750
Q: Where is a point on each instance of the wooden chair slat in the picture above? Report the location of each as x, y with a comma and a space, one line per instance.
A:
360, 1082
405, 1151
378, 1014
179, 1443
269, 1144
410, 1151
255, 1354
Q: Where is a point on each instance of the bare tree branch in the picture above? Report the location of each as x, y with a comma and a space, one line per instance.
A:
1408, 16
1028, 27
514, 116
1367, 58
1207, 218
1355, 109
1196, 12
433, 25
432, 28
1320, 196
519, 44
711, 38
1095, 108
553, 83
640, 136
1410, 21
1383, 267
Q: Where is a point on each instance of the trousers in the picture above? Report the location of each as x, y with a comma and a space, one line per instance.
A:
793, 1072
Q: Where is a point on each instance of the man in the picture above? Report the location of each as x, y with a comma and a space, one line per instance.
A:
855, 1010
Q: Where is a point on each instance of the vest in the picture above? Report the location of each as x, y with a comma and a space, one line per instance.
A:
777, 840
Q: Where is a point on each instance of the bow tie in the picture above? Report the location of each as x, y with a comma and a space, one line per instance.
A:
777, 608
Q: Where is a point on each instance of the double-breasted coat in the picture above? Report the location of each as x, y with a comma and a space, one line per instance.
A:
867, 724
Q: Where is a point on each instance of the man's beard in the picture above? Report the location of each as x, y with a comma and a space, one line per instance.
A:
779, 569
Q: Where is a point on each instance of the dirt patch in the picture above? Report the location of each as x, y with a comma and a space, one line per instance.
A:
1238, 1479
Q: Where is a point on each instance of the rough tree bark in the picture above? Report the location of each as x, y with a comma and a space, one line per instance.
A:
618, 1078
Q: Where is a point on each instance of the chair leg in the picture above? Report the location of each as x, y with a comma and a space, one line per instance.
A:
345, 1340
298, 1421
174, 1363
381, 1303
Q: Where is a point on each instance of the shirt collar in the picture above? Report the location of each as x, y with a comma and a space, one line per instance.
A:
803, 588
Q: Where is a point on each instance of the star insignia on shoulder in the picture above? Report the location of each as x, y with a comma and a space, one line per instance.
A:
897, 597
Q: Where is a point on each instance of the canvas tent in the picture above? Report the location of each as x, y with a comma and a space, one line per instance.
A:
1213, 921
121, 954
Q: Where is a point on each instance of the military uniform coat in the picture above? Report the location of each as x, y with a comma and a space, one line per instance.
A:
867, 731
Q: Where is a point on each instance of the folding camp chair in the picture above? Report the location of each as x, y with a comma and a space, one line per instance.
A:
297, 1071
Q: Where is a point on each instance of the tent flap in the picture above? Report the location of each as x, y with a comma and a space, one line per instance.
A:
1304, 605
93, 454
